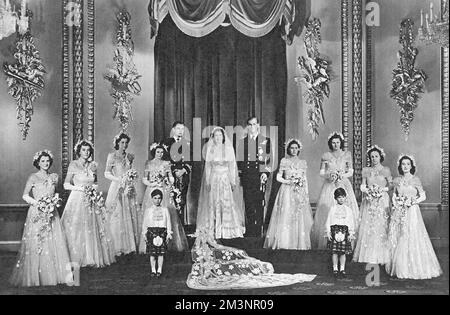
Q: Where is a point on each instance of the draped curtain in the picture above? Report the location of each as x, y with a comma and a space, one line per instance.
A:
254, 18
222, 75
222, 78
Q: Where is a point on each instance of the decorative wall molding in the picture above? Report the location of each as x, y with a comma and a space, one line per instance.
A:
78, 102
91, 69
369, 85
65, 154
357, 90
345, 70
445, 122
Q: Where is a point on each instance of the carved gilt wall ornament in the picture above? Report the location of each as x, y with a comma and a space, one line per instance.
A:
315, 75
408, 82
123, 75
25, 77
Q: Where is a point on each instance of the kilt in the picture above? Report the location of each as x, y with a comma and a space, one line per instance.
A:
340, 246
156, 241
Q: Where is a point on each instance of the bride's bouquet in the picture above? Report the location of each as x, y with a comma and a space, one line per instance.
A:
374, 193
45, 212
128, 181
94, 199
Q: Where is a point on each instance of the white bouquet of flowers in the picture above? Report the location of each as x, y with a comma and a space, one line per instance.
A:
94, 199
374, 193
46, 211
400, 206
335, 176
128, 180
299, 182
156, 178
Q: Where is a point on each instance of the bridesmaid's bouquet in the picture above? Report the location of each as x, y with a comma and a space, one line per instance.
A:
374, 193
400, 206
45, 212
128, 180
299, 182
94, 199
335, 176
158, 179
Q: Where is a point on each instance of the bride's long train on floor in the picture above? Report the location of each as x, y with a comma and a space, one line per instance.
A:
218, 267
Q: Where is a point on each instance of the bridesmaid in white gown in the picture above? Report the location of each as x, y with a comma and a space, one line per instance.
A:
336, 169
372, 244
291, 220
88, 236
121, 202
43, 256
412, 254
158, 175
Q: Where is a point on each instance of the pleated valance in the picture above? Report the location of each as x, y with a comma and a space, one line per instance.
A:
254, 18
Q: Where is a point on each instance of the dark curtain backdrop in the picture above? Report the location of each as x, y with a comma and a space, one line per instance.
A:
222, 78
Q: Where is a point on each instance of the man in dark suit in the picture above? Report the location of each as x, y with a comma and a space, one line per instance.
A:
254, 169
178, 148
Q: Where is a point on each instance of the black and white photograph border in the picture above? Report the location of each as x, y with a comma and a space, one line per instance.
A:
208, 148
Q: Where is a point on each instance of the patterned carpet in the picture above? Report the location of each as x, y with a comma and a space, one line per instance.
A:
130, 276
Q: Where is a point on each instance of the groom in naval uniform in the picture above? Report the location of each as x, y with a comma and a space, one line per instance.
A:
178, 148
254, 170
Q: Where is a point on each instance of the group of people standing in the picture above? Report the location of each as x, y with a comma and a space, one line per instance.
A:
384, 230
91, 232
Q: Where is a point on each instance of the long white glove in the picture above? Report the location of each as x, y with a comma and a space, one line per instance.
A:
68, 186
111, 177
363, 188
29, 200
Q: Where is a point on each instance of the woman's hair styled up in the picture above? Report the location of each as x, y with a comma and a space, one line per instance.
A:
119, 138
336, 135
84, 143
37, 158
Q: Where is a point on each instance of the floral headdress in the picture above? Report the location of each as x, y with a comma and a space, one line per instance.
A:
376, 147
289, 141
336, 133
156, 144
118, 136
82, 141
410, 156
39, 153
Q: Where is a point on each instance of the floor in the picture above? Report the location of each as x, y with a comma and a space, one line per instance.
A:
130, 276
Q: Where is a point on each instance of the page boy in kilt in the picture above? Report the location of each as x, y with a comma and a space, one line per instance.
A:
340, 231
158, 231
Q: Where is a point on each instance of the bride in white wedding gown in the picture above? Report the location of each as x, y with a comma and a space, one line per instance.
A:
221, 215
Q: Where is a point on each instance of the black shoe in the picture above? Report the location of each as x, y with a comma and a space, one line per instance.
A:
158, 274
335, 273
153, 275
342, 274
